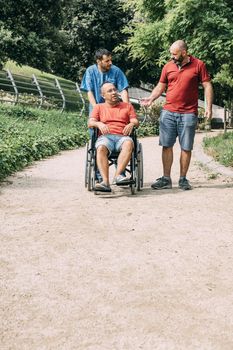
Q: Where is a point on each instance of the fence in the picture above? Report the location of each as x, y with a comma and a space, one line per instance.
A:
66, 95
41, 92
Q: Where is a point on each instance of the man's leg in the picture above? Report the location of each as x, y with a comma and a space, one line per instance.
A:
167, 159
185, 157
104, 146
124, 157
167, 138
102, 163
186, 130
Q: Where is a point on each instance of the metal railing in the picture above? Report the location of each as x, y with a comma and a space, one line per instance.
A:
222, 116
41, 92
64, 94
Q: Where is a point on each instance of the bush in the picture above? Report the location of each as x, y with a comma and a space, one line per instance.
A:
28, 134
150, 118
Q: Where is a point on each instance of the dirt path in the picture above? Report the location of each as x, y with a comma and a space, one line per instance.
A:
116, 272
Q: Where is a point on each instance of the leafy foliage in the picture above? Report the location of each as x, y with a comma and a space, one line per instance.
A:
29, 31
88, 26
207, 27
150, 119
28, 134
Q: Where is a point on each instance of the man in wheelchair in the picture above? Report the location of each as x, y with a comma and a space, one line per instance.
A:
115, 121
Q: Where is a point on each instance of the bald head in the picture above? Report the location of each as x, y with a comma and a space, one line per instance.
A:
179, 53
109, 93
107, 86
180, 45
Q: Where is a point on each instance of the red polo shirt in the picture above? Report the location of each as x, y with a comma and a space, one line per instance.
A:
182, 85
115, 117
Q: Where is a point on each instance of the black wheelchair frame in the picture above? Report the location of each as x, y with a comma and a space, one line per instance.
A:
134, 168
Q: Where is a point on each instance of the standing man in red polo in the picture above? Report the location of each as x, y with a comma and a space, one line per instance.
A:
180, 78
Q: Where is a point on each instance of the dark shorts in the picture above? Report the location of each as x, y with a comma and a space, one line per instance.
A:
174, 124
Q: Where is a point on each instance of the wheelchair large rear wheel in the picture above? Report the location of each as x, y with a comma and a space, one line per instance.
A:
87, 163
133, 175
91, 176
139, 168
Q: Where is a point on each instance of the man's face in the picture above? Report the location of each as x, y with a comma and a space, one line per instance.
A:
110, 93
105, 63
177, 55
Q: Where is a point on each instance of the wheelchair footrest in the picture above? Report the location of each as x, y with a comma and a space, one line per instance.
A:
130, 182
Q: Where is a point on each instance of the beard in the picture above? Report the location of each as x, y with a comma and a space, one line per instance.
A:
178, 61
105, 68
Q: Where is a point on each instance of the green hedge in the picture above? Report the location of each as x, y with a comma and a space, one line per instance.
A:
32, 134
28, 134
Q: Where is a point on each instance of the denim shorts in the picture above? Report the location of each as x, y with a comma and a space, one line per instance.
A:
173, 124
112, 142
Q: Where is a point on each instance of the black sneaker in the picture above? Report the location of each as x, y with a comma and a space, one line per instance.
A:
102, 187
162, 183
184, 184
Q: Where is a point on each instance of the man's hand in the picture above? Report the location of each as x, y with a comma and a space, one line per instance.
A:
208, 115
158, 90
128, 129
146, 101
104, 129
209, 95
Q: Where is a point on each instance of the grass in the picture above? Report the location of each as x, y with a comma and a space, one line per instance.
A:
23, 79
220, 147
28, 71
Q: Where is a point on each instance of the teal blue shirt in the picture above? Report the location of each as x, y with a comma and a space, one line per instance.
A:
93, 79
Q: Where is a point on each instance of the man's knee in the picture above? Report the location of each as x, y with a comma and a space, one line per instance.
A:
103, 150
127, 146
185, 151
167, 150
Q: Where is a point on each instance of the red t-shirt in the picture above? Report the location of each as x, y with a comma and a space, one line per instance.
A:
182, 85
116, 117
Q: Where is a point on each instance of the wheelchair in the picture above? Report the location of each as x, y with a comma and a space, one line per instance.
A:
134, 167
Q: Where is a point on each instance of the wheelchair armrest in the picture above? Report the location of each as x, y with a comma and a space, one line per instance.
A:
133, 135
95, 134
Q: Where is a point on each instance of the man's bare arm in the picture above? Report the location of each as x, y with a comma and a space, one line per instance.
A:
91, 98
157, 91
124, 95
93, 123
209, 95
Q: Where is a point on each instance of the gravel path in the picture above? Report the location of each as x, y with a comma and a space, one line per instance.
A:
116, 272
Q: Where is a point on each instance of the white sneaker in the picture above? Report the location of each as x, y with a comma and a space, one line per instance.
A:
121, 180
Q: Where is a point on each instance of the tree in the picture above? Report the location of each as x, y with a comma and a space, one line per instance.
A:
29, 31
89, 25
207, 27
